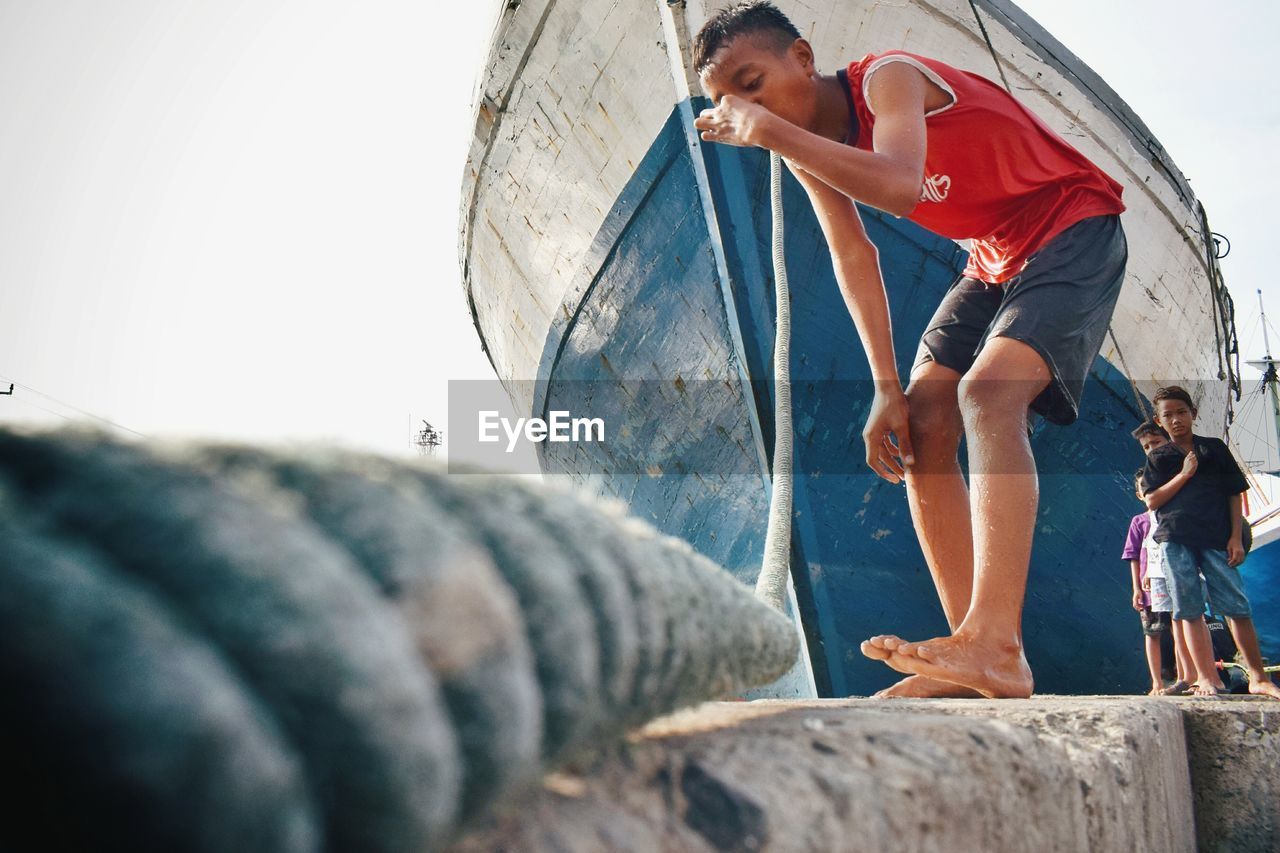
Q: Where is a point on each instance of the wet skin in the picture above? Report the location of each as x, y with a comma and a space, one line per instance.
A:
919, 687
770, 95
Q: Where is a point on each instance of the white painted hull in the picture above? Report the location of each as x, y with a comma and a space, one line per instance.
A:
601, 242
575, 92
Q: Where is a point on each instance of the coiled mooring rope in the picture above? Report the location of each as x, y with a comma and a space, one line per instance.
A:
771, 587
223, 648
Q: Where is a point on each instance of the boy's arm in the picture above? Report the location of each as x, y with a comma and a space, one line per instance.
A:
1157, 498
1235, 545
1133, 544
857, 269
1237, 483
1136, 569
888, 178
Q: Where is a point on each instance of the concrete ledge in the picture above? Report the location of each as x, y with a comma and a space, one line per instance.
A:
1097, 774
1233, 744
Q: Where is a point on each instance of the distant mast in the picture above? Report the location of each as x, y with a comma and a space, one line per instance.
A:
1270, 381
427, 439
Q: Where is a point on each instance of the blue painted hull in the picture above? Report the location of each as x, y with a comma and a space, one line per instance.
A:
1261, 575
651, 340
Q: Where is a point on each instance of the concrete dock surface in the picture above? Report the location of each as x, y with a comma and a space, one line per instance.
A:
1052, 773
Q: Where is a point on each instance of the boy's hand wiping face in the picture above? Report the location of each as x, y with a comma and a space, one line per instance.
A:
734, 121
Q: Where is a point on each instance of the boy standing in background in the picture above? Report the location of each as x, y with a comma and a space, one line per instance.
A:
1154, 622
1151, 590
1194, 485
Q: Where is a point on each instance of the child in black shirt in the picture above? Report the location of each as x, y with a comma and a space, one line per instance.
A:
1194, 485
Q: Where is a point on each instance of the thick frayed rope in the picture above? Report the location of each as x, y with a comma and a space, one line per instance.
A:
224, 648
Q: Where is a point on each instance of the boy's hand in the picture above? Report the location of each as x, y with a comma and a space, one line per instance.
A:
1235, 551
734, 121
1190, 463
1137, 600
887, 421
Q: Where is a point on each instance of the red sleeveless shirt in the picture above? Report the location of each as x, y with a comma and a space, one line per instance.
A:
994, 173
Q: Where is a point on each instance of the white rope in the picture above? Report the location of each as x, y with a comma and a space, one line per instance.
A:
771, 587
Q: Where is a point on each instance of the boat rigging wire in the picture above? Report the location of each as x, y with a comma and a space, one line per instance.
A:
1223, 308
24, 402
1133, 384
994, 58
1246, 417
1143, 408
1218, 240
74, 408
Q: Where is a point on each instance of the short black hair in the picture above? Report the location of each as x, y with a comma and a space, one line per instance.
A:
748, 16
1173, 392
1148, 428
1137, 479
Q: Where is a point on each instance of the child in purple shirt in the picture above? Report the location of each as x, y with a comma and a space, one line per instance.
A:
1150, 588
1155, 620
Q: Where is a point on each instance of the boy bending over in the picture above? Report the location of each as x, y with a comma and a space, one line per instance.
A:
956, 153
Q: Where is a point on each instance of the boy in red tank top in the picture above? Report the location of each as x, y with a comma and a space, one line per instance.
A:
1017, 331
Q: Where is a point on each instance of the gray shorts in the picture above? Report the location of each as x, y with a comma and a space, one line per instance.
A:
1059, 305
1153, 623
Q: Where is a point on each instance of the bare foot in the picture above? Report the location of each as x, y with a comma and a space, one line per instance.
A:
1156, 691
1205, 688
919, 687
876, 647
1178, 688
995, 671
1264, 687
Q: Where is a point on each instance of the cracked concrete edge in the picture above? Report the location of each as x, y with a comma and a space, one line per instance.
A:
1233, 757
1046, 774
1233, 746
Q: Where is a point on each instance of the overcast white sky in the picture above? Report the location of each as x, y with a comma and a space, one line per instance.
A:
238, 218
